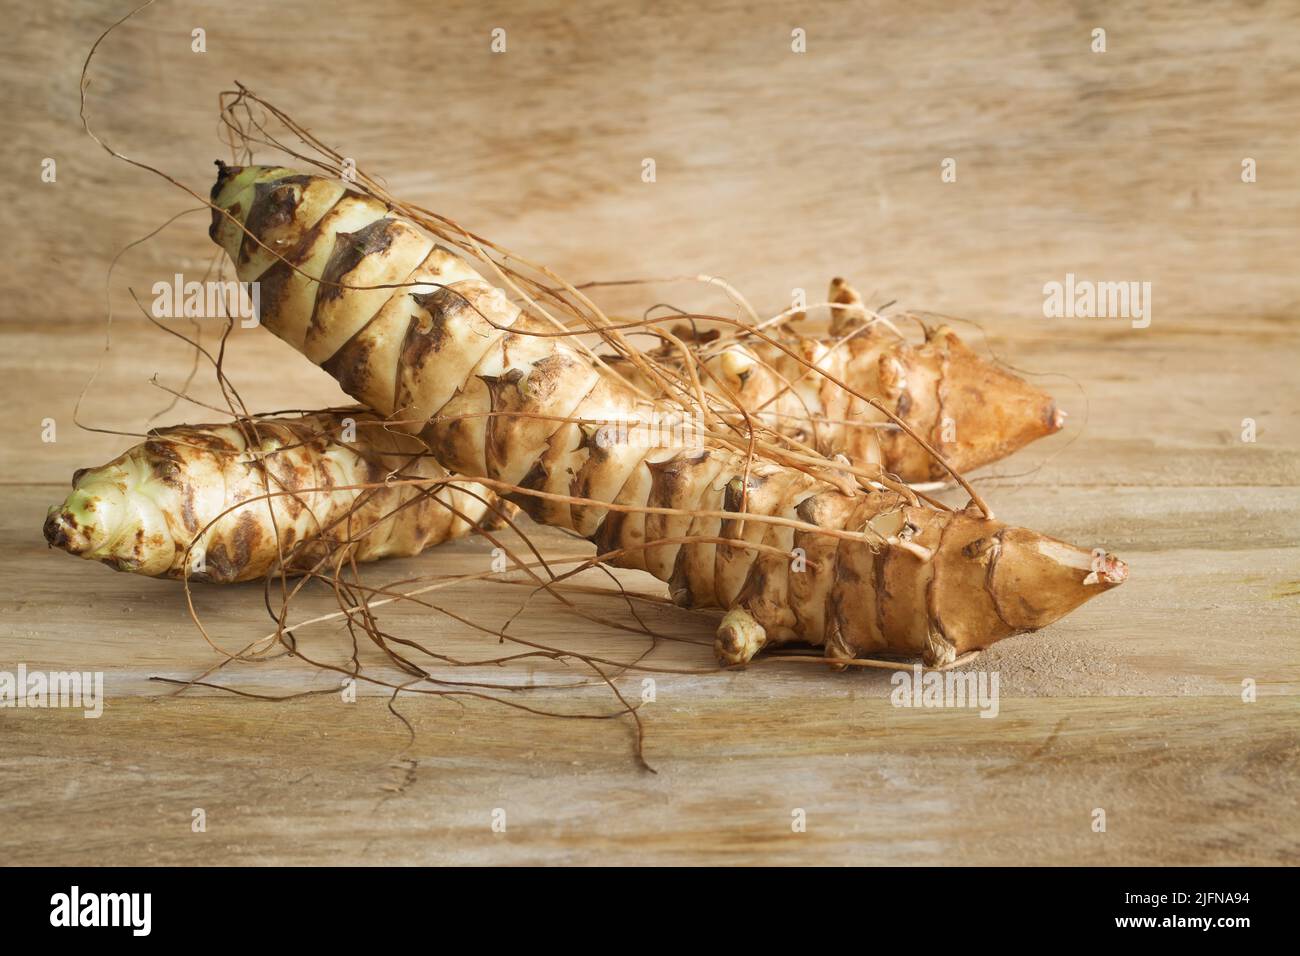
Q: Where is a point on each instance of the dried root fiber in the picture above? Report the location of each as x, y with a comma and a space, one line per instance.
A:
412, 331
970, 410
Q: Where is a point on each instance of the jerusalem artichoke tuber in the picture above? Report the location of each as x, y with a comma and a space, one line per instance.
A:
970, 410
173, 503
408, 328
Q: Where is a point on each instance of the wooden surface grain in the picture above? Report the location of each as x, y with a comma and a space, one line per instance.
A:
775, 170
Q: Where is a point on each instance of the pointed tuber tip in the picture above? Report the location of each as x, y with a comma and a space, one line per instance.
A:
1037, 580
991, 412
1004, 581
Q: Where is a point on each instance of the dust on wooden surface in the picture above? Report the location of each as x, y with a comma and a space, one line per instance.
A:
776, 171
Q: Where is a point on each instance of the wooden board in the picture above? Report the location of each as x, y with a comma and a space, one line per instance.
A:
776, 170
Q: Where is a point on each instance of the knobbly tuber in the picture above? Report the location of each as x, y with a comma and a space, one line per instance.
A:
411, 330
969, 409
205, 502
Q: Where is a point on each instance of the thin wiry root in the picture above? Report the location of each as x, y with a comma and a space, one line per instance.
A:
679, 377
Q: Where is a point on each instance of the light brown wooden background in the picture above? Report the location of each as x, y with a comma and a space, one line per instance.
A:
774, 170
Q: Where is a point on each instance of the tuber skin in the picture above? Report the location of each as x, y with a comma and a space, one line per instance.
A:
446, 355
970, 410
143, 510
